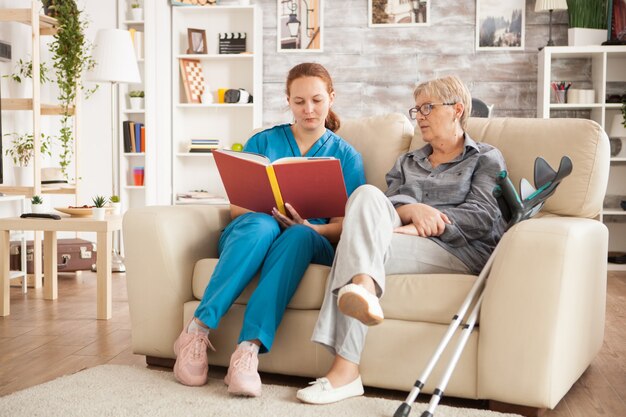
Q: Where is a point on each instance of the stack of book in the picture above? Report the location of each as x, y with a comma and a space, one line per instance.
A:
137, 38
204, 145
134, 136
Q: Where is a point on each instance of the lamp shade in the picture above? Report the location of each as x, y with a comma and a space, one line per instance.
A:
617, 127
542, 5
115, 58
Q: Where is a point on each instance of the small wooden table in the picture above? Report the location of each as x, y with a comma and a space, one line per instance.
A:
104, 230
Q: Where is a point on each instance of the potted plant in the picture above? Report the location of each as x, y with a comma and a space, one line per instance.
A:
71, 55
36, 204
98, 211
136, 99
23, 71
587, 22
136, 11
21, 151
116, 204
49, 8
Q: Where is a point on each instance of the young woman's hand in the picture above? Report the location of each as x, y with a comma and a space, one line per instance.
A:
285, 221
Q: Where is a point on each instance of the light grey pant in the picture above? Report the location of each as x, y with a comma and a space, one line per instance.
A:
369, 246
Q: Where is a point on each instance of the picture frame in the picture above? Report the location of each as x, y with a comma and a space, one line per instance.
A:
616, 22
500, 25
398, 13
196, 40
192, 77
300, 25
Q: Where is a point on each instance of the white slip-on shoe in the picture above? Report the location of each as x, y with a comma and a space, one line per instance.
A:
355, 301
322, 392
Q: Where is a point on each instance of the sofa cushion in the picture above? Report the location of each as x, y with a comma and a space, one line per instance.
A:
523, 140
380, 140
432, 298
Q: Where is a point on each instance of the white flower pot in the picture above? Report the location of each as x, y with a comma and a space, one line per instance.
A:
36, 208
117, 208
24, 176
136, 103
136, 14
585, 37
98, 212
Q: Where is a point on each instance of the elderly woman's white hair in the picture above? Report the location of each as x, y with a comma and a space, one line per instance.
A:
448, 89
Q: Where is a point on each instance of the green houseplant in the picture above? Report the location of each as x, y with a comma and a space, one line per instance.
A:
71, 55
21, 151
136, 99
98, 210
36, 204
587, 22
24, 69
116, 204
136, 11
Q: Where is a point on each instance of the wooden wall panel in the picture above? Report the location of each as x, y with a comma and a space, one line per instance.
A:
375, 69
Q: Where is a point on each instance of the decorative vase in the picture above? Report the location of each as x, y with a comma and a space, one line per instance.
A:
136, 14
24, 176
585, 37
36, 208
98, 212
136, 103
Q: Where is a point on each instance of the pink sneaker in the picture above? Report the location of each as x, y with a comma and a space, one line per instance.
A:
192, 364
242, 377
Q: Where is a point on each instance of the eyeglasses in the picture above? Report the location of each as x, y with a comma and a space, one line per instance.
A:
425, 109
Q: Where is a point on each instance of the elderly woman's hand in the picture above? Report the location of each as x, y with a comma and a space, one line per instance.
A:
421, 220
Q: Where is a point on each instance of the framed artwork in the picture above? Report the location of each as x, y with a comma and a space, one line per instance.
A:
196, 39
193, 79
300, 26
500, 24
397, 13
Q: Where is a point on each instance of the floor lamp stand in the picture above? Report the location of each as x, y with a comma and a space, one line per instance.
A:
117, 261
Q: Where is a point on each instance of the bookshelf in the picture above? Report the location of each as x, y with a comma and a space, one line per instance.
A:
228, 123
603, 70
41, 27
138, 193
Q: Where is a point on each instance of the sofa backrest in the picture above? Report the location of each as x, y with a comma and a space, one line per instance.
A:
381, 139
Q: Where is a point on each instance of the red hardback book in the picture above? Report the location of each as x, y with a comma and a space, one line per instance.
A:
313, 186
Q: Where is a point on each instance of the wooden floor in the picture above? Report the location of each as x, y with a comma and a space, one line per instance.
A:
42, 340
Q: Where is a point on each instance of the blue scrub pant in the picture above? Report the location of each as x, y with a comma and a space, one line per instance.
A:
253, 242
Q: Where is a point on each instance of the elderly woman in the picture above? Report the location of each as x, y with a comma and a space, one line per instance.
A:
437, 216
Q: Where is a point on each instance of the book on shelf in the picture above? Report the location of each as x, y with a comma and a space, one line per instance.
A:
203, 145
314, 187
138, 41
134, 136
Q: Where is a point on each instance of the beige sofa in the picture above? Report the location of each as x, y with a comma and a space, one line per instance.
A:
542, 320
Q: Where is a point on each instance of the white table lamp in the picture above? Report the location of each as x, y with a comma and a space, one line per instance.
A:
116, 62
550, 5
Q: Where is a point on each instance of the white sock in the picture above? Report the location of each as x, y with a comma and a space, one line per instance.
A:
249, 345
194, 327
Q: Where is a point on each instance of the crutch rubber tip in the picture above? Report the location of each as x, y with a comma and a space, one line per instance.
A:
403, 410
427, 414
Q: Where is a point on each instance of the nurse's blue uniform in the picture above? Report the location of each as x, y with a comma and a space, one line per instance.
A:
254, 242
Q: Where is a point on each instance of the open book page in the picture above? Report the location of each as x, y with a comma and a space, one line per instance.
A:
249, 156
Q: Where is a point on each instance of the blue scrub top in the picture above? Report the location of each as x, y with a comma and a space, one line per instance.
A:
279, 142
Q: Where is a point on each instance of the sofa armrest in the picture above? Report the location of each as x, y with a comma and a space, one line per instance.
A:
542, 318
162, 245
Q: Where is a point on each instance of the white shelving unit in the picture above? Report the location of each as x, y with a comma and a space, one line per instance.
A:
229, 123
131, 194
607, 76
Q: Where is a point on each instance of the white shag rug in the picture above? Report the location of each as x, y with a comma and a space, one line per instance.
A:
116, 390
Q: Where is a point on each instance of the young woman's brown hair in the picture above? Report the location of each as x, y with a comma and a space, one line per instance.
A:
311, 69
